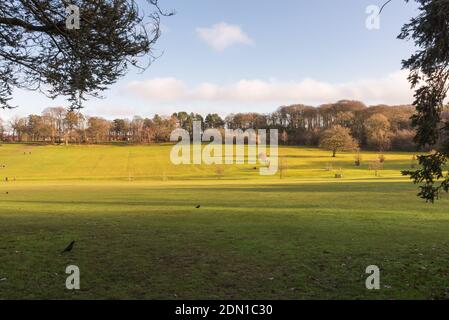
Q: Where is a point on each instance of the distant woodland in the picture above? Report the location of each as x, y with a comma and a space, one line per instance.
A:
379, 127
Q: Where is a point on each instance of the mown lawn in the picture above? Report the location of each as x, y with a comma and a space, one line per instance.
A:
252, 238
27, 162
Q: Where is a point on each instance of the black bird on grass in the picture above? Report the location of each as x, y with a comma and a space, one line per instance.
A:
198, 206
69, 247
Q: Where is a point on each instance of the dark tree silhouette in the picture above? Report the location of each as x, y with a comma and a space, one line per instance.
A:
39, 52
429, 76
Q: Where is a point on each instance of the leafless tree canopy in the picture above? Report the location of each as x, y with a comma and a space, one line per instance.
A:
375, 128
38, 52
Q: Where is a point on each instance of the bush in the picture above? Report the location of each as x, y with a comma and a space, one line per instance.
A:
414, 162
219, 170
339, 174
358, 159
376, 166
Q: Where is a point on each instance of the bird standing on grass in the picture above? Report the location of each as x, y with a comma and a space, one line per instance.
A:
198, 206
69, 247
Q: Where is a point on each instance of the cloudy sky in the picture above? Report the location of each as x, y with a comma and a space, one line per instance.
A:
256, 55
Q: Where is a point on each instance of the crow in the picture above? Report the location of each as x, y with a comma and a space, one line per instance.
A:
69, 247
7, 192
198, 206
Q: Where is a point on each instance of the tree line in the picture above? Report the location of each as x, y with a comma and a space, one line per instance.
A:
378, 127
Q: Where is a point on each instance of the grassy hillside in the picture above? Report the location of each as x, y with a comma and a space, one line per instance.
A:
34, 162
307, 236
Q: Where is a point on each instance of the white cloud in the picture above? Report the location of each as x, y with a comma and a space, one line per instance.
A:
222, 35
111, 111
393, 89
160, 89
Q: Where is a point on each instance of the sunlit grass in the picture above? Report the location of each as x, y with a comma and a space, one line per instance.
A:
28, 162
308, 235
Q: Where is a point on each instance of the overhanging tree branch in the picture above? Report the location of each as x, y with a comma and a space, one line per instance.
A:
37, 48
14, 22
384, 5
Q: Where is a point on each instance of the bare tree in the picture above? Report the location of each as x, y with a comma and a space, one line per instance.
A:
338, 139
98, 129
56, 117
378, 130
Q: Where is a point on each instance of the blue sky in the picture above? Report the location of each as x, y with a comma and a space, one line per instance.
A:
255, 55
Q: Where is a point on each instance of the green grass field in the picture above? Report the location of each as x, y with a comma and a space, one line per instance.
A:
139, 235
